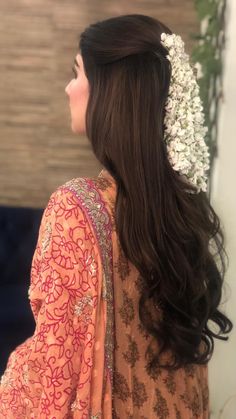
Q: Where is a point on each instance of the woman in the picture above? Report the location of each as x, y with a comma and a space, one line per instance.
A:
124, 279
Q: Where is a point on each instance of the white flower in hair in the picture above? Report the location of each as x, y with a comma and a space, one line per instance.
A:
184, 119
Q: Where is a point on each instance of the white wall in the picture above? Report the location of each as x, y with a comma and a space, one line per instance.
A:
222, 368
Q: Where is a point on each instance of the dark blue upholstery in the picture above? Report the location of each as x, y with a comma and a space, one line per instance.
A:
18, 237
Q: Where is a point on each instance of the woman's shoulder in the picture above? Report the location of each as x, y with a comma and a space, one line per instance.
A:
85, 187
86, 192
89, 196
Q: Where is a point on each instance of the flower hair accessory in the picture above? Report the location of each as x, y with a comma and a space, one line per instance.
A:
184, 119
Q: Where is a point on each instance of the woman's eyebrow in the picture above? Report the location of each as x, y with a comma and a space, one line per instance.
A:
76, 62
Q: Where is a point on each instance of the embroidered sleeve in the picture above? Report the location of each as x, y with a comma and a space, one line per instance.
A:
44, 373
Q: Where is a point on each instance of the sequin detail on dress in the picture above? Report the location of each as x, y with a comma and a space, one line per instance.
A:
90, 199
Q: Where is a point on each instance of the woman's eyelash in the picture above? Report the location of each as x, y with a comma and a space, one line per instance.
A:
74, 71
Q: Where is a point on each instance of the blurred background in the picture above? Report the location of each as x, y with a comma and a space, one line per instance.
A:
39, 152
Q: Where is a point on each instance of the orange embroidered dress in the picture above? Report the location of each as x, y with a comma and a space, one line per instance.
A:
86, 357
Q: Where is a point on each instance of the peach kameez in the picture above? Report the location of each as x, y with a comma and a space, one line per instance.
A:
86, 356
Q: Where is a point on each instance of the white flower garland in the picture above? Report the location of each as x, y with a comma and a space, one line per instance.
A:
184, 118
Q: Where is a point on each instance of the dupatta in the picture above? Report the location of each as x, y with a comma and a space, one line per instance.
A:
65, 370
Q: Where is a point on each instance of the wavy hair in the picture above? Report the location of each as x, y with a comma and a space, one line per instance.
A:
172, 237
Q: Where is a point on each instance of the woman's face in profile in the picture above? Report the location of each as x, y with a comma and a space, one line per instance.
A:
78, 92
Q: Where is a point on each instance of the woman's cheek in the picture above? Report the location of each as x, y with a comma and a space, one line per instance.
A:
81, 91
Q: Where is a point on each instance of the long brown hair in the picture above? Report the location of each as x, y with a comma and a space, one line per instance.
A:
172, 237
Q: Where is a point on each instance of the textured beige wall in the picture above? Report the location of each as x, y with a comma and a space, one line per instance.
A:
38, 41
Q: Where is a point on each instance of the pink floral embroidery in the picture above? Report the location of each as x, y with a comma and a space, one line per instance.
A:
43, 373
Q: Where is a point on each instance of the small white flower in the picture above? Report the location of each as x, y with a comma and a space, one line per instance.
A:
169, 41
